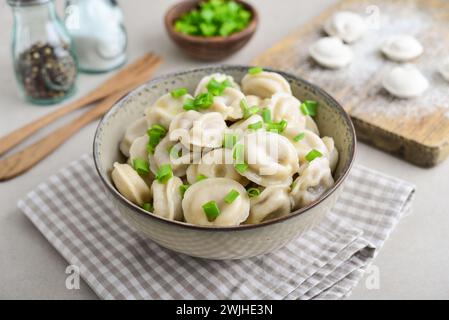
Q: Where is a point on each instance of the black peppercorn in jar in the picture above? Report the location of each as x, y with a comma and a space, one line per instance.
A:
44, 60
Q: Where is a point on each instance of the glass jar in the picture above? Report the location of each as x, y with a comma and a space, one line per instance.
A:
44, 60
99, 34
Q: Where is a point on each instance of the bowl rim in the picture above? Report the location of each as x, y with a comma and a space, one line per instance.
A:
250, 28
213, 68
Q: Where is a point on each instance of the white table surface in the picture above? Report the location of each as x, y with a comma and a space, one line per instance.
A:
414, 263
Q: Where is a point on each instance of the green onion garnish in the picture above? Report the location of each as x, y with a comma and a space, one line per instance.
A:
313, 154
189, 104
183, 188
255, 70
309, 108
231, 196
164, 173
216, 88
277, 127
266, 115
299, 137
229, 140
155, 135
202, 101
200, 177
241, 167
256, 125
141, 166
148, 207
211, 210
175, 152
239, 153
178, 93
253, 192
247, 110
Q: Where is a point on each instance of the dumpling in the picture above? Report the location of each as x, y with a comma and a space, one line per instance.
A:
402, 48
175, 154
192, 173
286, 107
307, 143
273, 202
311, 125
264, 84
215, 189
219, 77
270, 158
136, 129
346, 25
165, 108
219, 163
312, 183
332, 152
130, 184
138, 149
167, 199
228, 104
331, 52
405, 82
194, 129
240, 127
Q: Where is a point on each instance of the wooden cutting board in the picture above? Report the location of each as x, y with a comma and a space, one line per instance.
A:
415, 129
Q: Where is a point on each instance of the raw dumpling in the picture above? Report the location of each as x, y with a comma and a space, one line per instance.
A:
271, 158
402, 48
332, 152
312, 182
136, 129
219, 163
167, 199
286, 107
130, 184
331, 52
165, 108
273, 202
444, 69
215, 189
405, 81
307, 143
264, 84
219, 77
346, 25
228, 104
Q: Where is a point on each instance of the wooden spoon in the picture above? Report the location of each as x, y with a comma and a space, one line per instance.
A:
118, 82
25, 159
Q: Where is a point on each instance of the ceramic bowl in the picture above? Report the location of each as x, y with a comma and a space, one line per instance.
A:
220, 242
208, 48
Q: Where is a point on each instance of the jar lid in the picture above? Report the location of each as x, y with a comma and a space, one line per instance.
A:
23, 3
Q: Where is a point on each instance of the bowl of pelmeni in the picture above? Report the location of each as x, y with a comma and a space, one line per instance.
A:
224, 162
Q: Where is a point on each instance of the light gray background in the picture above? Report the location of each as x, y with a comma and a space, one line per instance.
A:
413, 264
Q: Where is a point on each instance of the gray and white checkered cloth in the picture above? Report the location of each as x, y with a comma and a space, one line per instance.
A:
73, 213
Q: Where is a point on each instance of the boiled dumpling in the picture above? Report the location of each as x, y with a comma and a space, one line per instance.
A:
228, 104
264, 84
130, 184
405, 82
167, 199
270, 158
286, 107
314, 180
136, 129
138, 149
240, 127
256, 101
346, 25
215, 189
444, 69
165, 108
331, 52
311, 125
192, 173
273, 202
218, 163
307, 143
402, 48
332, 152
219, 77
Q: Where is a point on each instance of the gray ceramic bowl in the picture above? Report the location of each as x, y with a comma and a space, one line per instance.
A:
220, 242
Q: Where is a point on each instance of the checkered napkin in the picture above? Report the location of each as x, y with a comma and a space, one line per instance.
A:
73, 213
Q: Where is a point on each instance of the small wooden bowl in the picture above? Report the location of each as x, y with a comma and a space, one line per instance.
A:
208, 48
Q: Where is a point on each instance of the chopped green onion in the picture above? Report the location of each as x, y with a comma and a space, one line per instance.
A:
200, 177
175, 152
189, 104
266, 116
241, 167
253, 192
147, 207
141, 166
299, 137
211, 210
277, 127
247, 110
255, 70
256, 125
216, 88
229, 140
159, 128
155, 135
231, 196
178, 93
183, 188
164, 173
239, 153
202, 101
309, 108
313, 154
